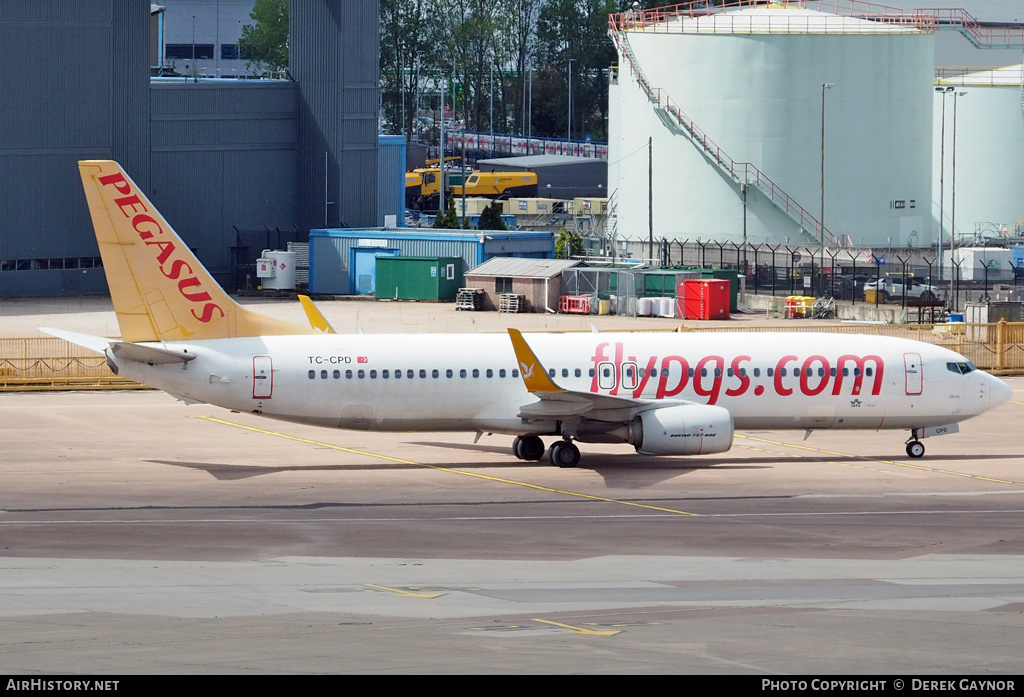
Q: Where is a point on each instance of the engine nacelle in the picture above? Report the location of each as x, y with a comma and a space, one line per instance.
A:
688, 429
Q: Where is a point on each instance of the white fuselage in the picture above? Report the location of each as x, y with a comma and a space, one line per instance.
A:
472, 382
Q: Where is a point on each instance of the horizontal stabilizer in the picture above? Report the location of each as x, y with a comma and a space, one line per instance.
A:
98, 344
149, 354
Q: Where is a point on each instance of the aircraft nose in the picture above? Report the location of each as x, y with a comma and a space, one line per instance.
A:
999, 392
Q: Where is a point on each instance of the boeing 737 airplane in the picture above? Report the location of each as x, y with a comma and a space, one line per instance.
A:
662, 393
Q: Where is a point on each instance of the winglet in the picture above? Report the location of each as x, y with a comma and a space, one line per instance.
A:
534, 376
315, 317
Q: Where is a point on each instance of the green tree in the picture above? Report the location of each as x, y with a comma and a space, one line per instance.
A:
568, 244
266, 42
449, 220
490, 219
405, 40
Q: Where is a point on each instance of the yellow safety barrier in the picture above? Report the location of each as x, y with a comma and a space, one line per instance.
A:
47, 364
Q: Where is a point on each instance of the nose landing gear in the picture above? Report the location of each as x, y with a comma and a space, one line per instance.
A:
915, 448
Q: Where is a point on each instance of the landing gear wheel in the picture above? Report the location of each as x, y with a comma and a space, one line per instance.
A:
564, 454
531, 448
517, 444
915, 449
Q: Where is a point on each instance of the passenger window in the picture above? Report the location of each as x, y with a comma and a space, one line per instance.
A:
373, 374
551, 372
489, 373
384, 374
654, 372
757, 372
337, 375
565, 372
348, 374
462, 373
591, 373
323, 374
423, 373
410, 374
579, 373
869, 371
770, 372
448, 373
515, 373
434, 373
476, 372
501, 372
312, 374
361, 374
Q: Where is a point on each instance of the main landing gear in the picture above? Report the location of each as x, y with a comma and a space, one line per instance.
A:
563, 453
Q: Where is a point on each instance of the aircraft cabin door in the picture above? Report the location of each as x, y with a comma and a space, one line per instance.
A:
262, 377
915, 379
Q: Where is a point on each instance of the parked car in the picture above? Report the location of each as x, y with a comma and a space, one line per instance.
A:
895, 287
850, 286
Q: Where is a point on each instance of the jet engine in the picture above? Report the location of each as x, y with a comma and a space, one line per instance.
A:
689, 429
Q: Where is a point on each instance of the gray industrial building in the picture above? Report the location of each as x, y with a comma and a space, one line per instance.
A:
232, 164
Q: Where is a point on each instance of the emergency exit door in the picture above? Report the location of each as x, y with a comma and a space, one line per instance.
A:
262, 377
915, 379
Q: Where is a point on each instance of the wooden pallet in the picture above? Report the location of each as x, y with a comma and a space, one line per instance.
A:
511, 302
469, 299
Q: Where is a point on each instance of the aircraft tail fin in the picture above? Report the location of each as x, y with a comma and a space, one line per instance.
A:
160, 290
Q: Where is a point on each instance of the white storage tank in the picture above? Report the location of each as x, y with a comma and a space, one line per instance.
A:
276, 270
752, 82
985, 111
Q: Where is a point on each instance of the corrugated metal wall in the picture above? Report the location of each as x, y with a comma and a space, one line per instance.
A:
69, 91
333, 57
224, 158
391, 179
224, 155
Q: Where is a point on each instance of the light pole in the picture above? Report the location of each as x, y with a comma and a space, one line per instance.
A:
952, 216
491, 118
942, 175
821, 220
570, 100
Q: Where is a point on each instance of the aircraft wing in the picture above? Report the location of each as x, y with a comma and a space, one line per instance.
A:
556, 402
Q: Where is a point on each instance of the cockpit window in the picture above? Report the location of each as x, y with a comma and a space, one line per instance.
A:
961, 368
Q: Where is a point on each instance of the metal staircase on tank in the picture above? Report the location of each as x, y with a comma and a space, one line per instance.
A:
981, 34
678, 122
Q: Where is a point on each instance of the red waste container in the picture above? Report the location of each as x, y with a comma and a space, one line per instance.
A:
706, 298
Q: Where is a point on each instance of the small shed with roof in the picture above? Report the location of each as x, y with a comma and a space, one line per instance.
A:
539, 281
